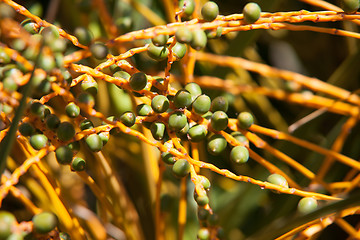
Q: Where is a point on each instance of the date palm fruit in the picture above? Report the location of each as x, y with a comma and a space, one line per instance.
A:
65, 131
38, 141
183, 35
78, 164
201, 200
83, 35
26, 129
138, 81
143, 109
64, 154
201, 104
203, 234
194, 89
128, 118
179, 50
182, 99
157, 130
240, 137
307, 205
350, 6
245, 120
278, 180
7, 220
52, 121
219, 103
197, 133
188, 6
177, 121
219, 121
160, 104
44, 222
99, 50
239, 154
205, 182
86, 124
216, 144
251, 12
214, 33
168, 158
199, 39
210, 11
72, 110
86, 98
160, 40
89, 85
181, 168
157, 53
94, 142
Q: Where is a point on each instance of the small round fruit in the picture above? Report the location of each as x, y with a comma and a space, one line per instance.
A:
26, 129
86, 98
72, 110
160, 40
277, 179
194, 89
122, 74
199, 39
205, 182
203, 214
104, 136
188, 7
128, 119
52, 121
214, 33
350, 6
160, 104
38, 109
307, 205
202, 200
157, 53
78, 164
203, 234
83, 35
143, 109
219, 121
177, 121
7, 220
183, 132
138, 81
168, 158
182, 99
179, 50
65, 131
86, 124
216, 144
210, 11
89, 85
201, 104
64, 155
245, 120
74, 146
94, 142
44, 222
240, 137
197, 133
29, 26
219, 103
157, 130
251, 12
181, 168
99, 50
183, 35
239, 154
38, 141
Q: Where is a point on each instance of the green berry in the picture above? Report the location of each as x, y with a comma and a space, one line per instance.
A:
202, 200
179, 50
201, 104
74, 146
64, 155
64, 236
72, 110
350, 6
203, 234
26, 129
214, 33
47, 62
182, 99
83, 35
89, 85
277, 179
104, 136
168, 158
122, 74
183, 35
44, 222
183, 132
143, 109
78, 164
49, 34
9, 84
177, 121
181, 168
219, 104
157, 130
240, 137
203, 214
99, 50
160, 104
210, 11
160, 40
239, 154
38, 141
86, 124
157, 53
245, 120
219, 121
307, 205
4, 57
7, 220
52, 121
188, 7
94, 142
29, 26
128, 119
194, 89
65, 131
86, 98
58, 45
38, 109
199, 39
251, 12
138, 81
216, 144
125, 24
197, 133
205, 182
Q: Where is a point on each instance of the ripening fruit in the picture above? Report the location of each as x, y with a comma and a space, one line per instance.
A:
72, 110
65, 131
198, 40
181, 168
251, 12
177, 121
99, 50
202, 200
78, 164
168, 158
143, 109
157, 130
74, 146
188, 7
194, 89
160, 40
205, 182
203, 234
183, 35
240, 137
277, 179
219, 121
104, 136
128, 119
219, 103
157, 53
307, 205
179, 50
210, 11
26, 129
216, 144
214, 33
44, 222
38, 109
182, 99
7, 220
64, 155
86, 124
183, 132
201, 104
350, 6
138, 81
38, 141
239, 154
197, 133
245, 120
94, 142
160, 104
89, 85
83, 35
122, 74
86, 98
52, 121
29, 26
